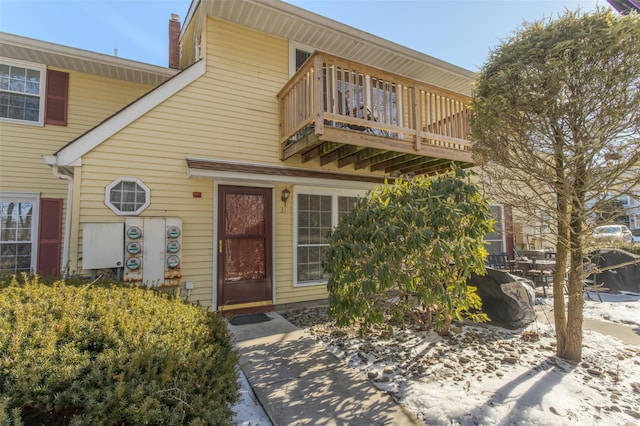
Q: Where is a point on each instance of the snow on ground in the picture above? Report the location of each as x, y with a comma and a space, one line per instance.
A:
248, 411
621, 308
483, 374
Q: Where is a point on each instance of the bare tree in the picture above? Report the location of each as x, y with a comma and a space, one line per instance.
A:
556, 127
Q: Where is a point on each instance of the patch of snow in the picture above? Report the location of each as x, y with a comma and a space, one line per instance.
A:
248, 410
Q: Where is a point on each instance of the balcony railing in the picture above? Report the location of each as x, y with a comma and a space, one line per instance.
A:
345, 103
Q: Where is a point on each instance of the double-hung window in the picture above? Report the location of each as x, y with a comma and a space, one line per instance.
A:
22, 92
317, 213
18, 232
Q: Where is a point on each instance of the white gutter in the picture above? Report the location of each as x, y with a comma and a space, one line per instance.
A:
51, 161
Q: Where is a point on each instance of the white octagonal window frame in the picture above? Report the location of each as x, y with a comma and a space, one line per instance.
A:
116, 206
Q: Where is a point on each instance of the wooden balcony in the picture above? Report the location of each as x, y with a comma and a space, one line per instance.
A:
343, 112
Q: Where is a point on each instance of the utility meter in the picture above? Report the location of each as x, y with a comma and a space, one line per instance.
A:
134, 248
173, 261
173, 247
133, 263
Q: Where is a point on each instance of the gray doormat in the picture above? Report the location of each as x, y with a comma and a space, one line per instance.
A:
249, 319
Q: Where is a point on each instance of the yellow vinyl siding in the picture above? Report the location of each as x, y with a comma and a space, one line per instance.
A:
91, 99
171, 196
229, 114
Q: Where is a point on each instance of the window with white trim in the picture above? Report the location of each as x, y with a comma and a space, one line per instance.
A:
22, 92
496, 238
298, 54
18, 232
317, 213
127, 196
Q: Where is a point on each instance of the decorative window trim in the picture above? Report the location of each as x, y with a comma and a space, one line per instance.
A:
114, 208
334, 194
292, 54
42, 69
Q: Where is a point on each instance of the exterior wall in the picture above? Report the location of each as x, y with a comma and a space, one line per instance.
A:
230, 113
187, 42
90, 100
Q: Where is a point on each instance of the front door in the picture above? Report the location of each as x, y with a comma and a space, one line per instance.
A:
244, 245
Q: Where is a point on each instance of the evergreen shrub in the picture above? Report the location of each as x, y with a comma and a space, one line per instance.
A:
111, 355
405, 253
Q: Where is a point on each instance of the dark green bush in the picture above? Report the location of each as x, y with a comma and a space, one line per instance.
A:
406, 251
112, 355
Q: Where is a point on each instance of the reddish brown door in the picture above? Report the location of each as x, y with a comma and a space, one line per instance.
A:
244, 245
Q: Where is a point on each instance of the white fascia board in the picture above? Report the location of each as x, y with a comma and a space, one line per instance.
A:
71, 155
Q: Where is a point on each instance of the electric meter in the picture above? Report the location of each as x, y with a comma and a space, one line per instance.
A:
133, 263
134, 232
173, 247
173, 261
134, 248
173, 232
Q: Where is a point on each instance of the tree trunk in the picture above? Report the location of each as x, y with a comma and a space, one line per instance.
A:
562, 246
572, 347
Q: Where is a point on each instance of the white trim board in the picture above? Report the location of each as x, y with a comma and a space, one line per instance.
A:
71, 155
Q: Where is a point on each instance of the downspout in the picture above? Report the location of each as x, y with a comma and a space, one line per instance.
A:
67, 219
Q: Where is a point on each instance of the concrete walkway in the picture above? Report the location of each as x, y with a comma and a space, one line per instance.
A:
299, 382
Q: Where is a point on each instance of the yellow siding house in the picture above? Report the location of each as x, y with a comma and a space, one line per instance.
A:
50, 94
225, 180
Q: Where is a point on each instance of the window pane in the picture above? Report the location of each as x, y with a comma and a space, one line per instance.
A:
16, 221
345, 206
245, 214
245, 259
33, 82
301, 56
495, 238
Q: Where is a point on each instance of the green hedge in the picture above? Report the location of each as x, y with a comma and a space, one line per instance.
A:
111, 355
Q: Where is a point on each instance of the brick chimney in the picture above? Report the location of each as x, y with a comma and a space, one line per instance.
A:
174, 41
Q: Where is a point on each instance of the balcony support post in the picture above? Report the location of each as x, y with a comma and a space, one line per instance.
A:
318, 88
417, 116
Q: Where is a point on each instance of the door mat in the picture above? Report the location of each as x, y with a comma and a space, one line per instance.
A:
249, 319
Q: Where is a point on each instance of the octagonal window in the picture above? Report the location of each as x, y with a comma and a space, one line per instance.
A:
127, 196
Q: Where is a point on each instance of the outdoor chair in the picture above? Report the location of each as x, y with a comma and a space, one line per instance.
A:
540, 276
497, 261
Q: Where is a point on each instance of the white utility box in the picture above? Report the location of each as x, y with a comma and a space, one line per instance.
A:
102, 245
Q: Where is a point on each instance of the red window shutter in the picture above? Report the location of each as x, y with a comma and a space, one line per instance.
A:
49, 236
56, 98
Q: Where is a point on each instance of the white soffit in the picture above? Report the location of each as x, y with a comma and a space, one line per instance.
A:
70, 58
293, 23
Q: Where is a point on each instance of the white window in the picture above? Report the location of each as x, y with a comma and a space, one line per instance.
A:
127, 196
21, 92
496, 238
18, 232
317, 212
298, 54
